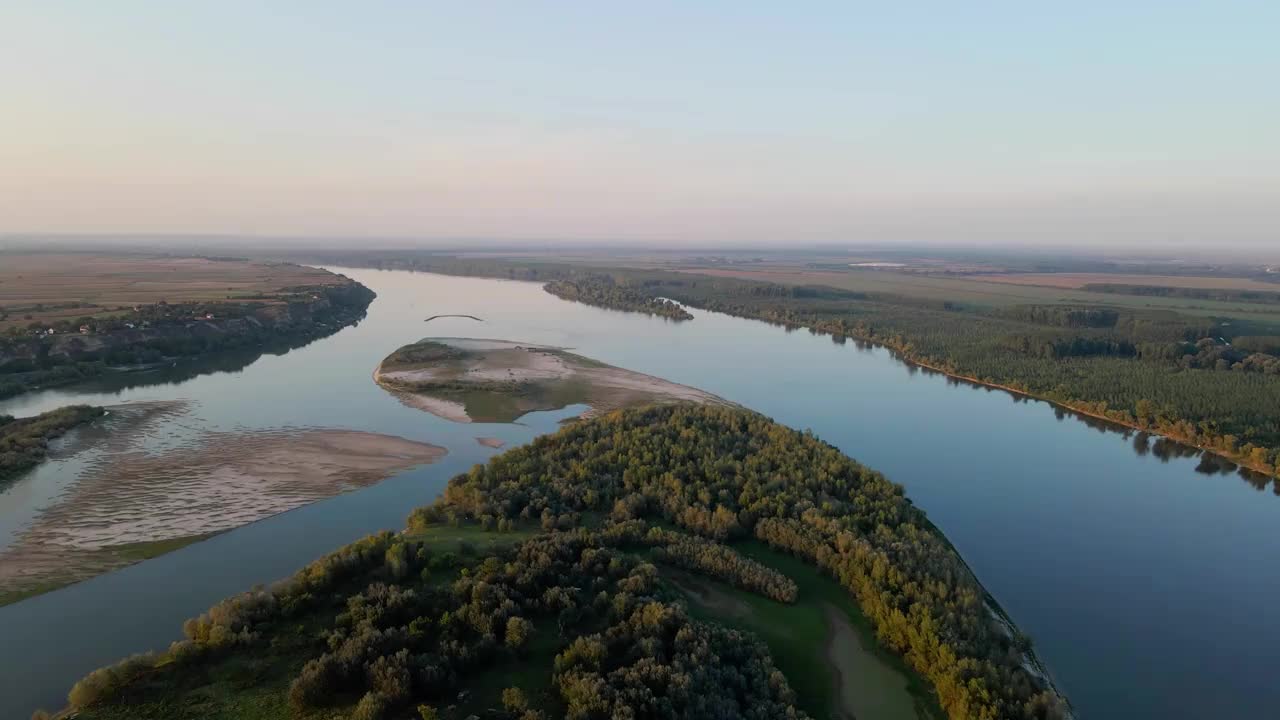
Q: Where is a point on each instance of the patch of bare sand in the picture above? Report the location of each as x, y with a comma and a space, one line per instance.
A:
214, 483
620, 388
490, 442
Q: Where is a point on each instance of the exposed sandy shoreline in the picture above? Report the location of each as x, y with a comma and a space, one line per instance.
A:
214, 483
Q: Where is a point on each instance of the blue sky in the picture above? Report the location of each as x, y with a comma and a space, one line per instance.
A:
1138, 123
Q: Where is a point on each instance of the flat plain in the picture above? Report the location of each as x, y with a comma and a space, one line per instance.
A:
47, 287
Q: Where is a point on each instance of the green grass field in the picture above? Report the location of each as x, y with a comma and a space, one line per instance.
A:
835, 674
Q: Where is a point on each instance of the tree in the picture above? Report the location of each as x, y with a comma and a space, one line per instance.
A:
518, 632
514, 701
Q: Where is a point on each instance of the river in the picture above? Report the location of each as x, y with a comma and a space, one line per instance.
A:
1146, 579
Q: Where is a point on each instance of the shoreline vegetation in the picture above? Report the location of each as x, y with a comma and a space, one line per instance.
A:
479, 380
603, 566
603, 291
24, 442
1209, 382
205, 308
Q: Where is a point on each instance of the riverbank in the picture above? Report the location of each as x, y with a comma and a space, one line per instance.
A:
131, 503
1236, 458
24, 442
64, 319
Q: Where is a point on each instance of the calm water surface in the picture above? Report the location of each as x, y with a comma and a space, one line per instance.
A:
1147, 581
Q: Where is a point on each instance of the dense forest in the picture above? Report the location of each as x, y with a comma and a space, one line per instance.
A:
724, 473
604, 291
580, 622
25, 442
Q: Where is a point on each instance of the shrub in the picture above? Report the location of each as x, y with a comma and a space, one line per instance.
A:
373, 706
105, 682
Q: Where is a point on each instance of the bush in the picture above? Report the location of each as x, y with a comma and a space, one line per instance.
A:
373, 706
106, 682
514, 701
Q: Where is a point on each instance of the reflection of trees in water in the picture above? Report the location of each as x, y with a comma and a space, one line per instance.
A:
183, 369
1143, 443
1162, 448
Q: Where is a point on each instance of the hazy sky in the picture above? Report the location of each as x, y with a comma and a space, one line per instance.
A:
1135, 122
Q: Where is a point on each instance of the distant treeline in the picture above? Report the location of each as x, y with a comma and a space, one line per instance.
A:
1154, 370
31, 358
1211, 382
604, 291
24, 442
1267, 297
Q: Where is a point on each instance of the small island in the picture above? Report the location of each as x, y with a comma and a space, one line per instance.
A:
666, 562
497, 381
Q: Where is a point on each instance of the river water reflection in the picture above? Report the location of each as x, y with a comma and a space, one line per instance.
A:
1144, 575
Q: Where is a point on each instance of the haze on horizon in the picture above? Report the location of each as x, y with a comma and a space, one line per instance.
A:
1093, 125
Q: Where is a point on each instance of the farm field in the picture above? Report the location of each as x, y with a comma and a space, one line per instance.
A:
38, 287
991, 293
1079, 280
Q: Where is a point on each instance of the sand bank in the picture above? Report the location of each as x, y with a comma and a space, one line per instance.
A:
480, 380
209, 484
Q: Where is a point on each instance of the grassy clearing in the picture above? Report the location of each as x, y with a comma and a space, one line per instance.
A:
851, 677
813, 584
531, 673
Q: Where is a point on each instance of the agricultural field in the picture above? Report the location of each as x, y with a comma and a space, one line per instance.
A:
995, 291
1080, 280
46, 288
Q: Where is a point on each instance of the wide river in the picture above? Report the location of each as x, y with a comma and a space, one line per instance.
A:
1148, 582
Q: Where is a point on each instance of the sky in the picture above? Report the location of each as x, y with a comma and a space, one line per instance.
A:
1141, 123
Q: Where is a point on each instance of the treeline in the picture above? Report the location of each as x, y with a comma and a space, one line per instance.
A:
794, 492
409, 636
31, 359
720, 562
603, 291
1071, 357
1064, 315
1154, 358
24, 442
1221, 294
